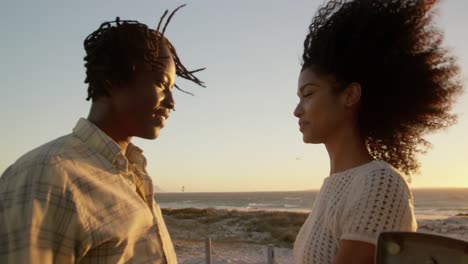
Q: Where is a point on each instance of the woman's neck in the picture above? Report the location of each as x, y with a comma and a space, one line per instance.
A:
346, 151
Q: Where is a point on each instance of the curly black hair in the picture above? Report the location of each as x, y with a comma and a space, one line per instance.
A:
393, 50
114, 48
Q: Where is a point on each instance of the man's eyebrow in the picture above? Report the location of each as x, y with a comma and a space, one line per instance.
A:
171, 82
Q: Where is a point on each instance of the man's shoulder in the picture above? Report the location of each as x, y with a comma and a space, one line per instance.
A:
49, 152
48, 155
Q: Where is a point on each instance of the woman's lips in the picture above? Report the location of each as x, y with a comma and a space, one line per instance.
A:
302, 125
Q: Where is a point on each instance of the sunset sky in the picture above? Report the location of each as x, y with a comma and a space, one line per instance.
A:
238, 134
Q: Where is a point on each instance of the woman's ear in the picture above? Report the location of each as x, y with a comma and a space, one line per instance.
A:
352, 94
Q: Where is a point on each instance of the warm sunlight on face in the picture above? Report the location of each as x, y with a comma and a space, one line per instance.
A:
145, 101
320, 111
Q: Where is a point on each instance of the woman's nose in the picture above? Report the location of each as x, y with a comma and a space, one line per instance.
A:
298, 111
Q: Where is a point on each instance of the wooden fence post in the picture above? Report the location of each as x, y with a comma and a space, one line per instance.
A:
271, 254
208, 251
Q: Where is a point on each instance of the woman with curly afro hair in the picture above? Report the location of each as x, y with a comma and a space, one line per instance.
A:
374, 81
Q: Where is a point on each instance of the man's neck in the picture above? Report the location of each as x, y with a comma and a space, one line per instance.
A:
110, 126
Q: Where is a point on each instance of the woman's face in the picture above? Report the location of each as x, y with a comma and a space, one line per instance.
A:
321, 110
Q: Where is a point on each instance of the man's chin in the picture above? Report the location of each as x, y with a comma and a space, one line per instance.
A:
150, 134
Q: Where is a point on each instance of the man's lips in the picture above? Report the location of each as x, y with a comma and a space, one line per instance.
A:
162, 112
161, 115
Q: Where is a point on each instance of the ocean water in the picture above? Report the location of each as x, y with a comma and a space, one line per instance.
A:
428, 203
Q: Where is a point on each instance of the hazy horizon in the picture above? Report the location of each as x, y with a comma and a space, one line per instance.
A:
312, 190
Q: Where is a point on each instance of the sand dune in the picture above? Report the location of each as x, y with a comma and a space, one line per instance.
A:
242, 236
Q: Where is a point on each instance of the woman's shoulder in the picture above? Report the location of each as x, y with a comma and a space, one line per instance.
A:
383, 170
381, 176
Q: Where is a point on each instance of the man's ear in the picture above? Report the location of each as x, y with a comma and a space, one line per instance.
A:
352, 94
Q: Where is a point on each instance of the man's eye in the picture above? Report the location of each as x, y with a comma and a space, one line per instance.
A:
163, 84
307, 94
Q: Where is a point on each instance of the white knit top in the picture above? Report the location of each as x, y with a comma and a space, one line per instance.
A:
356, 204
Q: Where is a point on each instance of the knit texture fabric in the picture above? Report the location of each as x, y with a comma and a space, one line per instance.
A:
356, 204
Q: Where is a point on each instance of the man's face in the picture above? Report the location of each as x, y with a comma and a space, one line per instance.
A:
142, 104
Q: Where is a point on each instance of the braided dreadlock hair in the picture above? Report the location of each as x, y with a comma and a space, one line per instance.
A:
113, 49
392, 49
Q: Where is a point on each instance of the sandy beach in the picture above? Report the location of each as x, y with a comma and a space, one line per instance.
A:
193, 252
243, 236
455, 226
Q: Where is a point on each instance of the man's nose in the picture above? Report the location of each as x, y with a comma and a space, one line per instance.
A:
168, 101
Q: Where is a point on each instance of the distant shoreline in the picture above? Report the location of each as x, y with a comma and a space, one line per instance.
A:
309, 190
429, 204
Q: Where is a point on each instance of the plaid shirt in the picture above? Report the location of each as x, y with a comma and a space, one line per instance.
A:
79, 199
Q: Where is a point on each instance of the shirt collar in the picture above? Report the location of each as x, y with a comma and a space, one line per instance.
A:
135, 155
96, 139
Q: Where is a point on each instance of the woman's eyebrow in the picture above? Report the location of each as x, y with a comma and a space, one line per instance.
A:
308, 84
305, 85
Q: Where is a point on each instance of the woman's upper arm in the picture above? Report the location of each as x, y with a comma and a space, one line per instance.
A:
350, 252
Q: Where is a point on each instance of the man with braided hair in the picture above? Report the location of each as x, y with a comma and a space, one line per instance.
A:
86, 197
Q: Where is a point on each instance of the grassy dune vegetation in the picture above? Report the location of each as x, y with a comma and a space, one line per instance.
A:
259, 227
